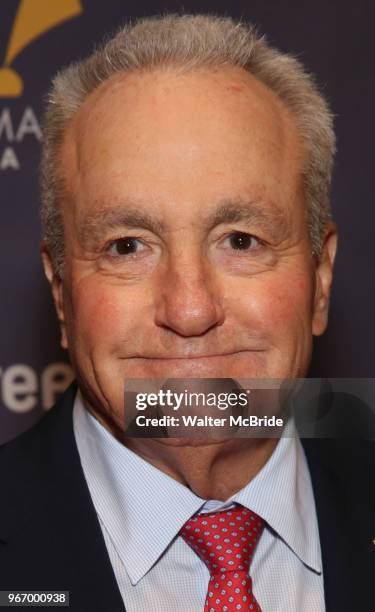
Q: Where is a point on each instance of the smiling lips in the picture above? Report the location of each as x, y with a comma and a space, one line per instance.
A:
203, 359
196, 355
193, 357
201, 366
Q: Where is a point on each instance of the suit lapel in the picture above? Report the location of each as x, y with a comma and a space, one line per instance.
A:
50, 534
345, 504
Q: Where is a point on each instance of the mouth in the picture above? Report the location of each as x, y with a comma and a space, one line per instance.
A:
203, 365
194, 355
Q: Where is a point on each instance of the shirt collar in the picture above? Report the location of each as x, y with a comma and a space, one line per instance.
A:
281, 493
143, 509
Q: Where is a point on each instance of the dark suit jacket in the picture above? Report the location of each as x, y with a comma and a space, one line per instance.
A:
50, 537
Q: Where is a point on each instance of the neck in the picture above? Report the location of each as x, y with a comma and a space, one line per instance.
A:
211, 469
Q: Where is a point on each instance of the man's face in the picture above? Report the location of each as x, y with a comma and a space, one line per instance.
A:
186, 240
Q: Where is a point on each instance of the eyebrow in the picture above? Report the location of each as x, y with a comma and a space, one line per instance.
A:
92, 228
269, 217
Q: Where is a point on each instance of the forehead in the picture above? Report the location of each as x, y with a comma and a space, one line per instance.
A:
196, 137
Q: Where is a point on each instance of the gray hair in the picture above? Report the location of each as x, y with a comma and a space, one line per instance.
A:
189, 42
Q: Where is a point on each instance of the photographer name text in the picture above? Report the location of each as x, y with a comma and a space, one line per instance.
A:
209, 421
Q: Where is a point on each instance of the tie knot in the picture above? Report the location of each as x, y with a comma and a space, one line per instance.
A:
224, 540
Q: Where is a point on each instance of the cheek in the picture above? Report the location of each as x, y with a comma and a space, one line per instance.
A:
277, 303
102, 313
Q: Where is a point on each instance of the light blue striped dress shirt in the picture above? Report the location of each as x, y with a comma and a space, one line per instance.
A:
141, 511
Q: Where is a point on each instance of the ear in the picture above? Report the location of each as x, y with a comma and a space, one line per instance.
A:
323, 277
56, 284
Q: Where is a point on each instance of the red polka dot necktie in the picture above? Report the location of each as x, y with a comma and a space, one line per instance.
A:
226, 542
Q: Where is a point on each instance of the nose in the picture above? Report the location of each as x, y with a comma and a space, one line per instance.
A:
189, 302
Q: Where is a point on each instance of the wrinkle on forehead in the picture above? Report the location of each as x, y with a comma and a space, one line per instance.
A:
138, 95
133, 100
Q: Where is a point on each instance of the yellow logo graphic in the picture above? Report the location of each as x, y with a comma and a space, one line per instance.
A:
34, 18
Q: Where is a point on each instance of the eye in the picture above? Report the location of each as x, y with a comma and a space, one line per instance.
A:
240, 241
125, 246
